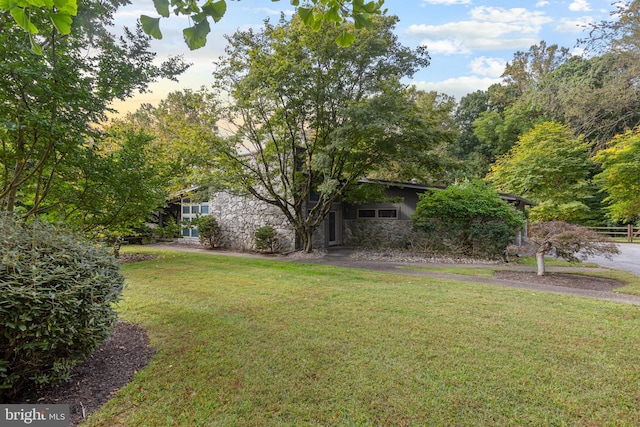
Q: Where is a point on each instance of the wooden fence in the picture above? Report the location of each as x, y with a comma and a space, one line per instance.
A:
629, 232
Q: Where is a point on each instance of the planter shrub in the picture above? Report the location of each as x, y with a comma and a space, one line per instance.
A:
57, 296
468, 219
265, 238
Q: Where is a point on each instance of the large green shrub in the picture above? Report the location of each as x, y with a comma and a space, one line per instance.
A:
469, 219
57, 293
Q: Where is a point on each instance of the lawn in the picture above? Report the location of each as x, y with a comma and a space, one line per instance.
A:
258, 342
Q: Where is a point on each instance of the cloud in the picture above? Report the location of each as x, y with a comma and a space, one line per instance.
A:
488, 67
457, 87
447, 2
445, 47
574, 25
542, 3
491, 28
517, 16
580, 6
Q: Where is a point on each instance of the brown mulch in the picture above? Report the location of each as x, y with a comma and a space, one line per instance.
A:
110, 367
94, 381
131, 257
562, 279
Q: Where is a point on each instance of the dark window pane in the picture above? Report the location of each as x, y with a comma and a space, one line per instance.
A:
387, 213
366, 213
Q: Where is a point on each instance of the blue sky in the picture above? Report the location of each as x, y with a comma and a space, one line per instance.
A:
469, 41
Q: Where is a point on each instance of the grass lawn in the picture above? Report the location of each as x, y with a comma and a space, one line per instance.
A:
255, 342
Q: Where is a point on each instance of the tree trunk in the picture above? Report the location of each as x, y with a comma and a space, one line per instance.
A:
540, 262
307, 241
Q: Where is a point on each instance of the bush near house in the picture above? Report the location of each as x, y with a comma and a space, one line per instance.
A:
265, 238
57, 293
209, 231
468, 219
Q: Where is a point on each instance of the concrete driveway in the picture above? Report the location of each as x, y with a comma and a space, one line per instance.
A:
628, 259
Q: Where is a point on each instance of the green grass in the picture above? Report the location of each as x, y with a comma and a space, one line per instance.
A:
255, 342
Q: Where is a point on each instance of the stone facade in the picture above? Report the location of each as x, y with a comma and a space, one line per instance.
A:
240, 216
376, 233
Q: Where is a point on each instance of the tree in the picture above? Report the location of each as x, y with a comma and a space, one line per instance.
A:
52, 103
34, 15
429, 159
527, 69
596, 97
184, 126
568, 241
549, 167
312, 118
315, 14
620, 176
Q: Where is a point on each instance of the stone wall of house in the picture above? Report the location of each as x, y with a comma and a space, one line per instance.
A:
240, 216
376, 233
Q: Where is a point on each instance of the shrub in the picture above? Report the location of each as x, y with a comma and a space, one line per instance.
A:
57, 292
469, 219
209, 231
265, 238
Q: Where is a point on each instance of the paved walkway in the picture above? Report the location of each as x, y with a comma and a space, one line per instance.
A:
339, 257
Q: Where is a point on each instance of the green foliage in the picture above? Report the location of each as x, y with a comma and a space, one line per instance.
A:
620, 176
56, 302
316, 117
51, 149
320, 12
185, 136
209, 231
549, 167
265, 238
33, 15
470, 219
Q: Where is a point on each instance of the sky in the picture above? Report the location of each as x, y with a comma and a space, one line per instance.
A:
469, 41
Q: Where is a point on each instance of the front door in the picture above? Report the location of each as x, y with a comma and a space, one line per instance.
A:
334, 228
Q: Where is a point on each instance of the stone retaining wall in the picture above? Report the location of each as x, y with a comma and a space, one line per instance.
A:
376, 233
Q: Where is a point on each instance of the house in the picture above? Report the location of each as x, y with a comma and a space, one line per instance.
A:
375, 224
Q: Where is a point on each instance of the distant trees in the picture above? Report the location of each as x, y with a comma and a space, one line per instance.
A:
620, 176
549, 167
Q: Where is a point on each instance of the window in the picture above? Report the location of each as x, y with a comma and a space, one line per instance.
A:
387, 213
191, 211
366, 213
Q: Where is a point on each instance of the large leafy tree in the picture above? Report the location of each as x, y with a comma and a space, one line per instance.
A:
429, 158
620, 176
596, 97
52, 103
312, 118
550, 167
184, 126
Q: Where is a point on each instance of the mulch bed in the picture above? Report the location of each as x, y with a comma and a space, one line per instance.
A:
94, 381
562, 279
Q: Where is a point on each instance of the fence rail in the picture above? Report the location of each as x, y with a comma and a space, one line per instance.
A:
629, 232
